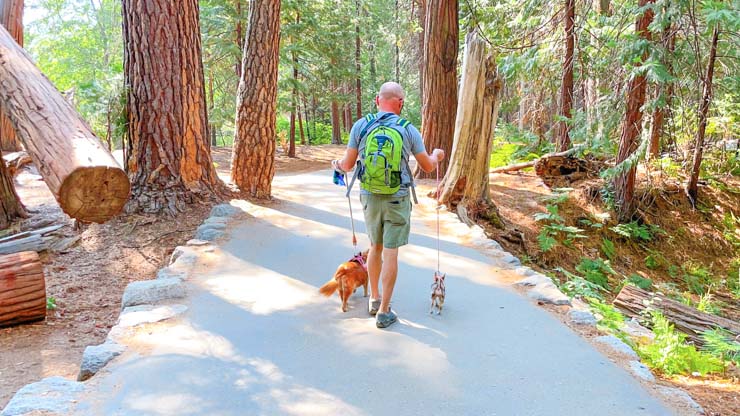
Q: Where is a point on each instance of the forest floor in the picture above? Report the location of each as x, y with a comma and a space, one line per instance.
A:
87, 279
692, 249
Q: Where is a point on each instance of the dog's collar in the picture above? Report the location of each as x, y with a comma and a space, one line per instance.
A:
358, 259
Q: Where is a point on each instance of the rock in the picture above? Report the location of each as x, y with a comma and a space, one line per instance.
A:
581, 317
642, 371
224, 210
617, 345
524, 271
171, 273
534, 279
216, 221
96, 357
153, 291
50, 396
147, 314
636, 331
673, 393
548, 293
509, 258
210, 232
196, 242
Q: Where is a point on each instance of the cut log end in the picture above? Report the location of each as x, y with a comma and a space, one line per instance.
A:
94, 194
22, 289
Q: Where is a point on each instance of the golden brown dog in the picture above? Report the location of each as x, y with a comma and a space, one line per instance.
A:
349, 276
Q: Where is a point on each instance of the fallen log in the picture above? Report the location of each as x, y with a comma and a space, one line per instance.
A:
531, 163
22, 289
14, 161
33, 242
633, 301
82, 175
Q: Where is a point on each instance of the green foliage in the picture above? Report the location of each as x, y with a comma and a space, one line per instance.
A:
608, 248
670, 354
51, 303
577, 287
721, 344
555, 231
641, 282
502, 153
696, 277
608, 317
596, 271
637, 232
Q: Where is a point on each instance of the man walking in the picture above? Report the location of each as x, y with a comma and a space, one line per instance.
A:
386, 179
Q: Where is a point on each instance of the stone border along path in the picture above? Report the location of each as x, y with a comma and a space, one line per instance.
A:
149, 302
143, 302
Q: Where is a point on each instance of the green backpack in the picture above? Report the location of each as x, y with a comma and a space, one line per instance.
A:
383, 156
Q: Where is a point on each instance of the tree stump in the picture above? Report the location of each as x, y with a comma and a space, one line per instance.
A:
84, 177
22, 289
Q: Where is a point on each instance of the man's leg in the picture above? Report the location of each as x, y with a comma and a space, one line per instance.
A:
388, 275
374, 264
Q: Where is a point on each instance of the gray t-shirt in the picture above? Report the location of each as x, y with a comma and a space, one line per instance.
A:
412, 144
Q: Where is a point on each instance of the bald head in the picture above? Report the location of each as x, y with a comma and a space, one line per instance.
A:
391, 90
390, 97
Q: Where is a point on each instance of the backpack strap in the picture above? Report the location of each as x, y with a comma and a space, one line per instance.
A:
412, 186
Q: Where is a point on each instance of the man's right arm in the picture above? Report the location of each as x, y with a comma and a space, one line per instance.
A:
427, 162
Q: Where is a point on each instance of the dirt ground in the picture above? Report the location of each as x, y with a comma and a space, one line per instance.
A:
519, 197
87, 279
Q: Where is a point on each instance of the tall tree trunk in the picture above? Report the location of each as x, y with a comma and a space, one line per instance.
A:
665, 91
11, 16
373, 66
253, 160
421, 10
624, 184
396, 49
566, 91
466, 182
239, 37
169, 162
306, 118
336, 127
211, 107
358, 64
294, 110
10, 205
440, 77
692, 186
300, 124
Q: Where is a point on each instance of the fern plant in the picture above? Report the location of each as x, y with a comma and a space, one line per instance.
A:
720, 343
670, 354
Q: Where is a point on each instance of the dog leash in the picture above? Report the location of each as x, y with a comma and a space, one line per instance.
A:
438, 207
352, 220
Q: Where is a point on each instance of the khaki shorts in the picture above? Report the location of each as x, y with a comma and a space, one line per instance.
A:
387, 219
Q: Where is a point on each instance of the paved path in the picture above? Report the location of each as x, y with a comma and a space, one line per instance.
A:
259, 340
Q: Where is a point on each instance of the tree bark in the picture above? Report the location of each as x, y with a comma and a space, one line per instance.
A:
421, 7
440, 77
253, 160
692, 188
665, 91
566, 91
22, 289
466, 182
633, 301
11, 16
358, 64
624, 184
336, 128
169, 162
83, 177
294, 110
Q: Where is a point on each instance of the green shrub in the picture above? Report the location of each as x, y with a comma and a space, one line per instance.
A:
670, 354
577, 287
596, 271
721, 344
608, 317
608, 248
636, 231
641, 282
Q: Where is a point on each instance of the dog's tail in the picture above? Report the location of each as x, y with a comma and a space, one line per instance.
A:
329, 288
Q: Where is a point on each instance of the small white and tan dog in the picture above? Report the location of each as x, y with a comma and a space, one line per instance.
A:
438, 293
